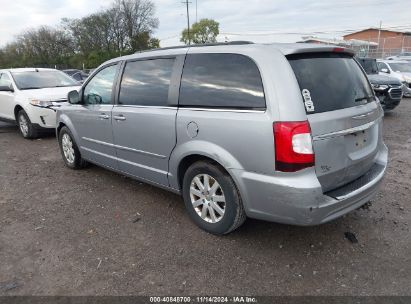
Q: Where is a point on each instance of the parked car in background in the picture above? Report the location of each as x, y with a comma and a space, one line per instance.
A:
30, 96
89, 71
77, 75
402, 56
399, 69
266, 131
388, 89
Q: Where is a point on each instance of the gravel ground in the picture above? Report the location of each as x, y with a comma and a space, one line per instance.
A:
94, 232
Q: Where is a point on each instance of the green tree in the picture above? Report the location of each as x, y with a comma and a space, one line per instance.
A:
123, 28
204, 31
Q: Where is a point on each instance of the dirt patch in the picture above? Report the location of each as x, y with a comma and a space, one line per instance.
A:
94, 232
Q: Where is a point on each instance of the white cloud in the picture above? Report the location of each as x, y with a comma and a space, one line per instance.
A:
254, 20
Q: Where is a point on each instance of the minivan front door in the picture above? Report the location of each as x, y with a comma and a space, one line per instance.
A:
144, 118
92, 118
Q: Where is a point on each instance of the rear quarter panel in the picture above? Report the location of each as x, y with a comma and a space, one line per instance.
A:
241, 139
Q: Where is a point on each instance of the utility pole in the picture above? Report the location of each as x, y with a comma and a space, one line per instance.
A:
186, 2
196, 12
379, 34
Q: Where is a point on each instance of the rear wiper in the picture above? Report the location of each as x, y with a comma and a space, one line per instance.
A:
363, 98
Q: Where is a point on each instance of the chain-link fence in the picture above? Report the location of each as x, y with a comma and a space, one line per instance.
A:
383, 47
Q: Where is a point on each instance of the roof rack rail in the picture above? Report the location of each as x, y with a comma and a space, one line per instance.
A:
239, 42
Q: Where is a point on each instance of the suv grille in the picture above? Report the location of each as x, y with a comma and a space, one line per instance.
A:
395, 93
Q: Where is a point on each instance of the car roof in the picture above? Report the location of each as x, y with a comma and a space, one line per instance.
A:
284, 48
392, 61
16, 70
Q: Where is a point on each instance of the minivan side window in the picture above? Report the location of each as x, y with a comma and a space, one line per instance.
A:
221, 81
146, 82
99, 89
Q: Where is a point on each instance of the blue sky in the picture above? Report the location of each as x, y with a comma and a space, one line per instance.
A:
258, 20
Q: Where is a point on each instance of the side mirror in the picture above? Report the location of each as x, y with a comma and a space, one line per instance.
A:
73, 97
385, 71
6, 89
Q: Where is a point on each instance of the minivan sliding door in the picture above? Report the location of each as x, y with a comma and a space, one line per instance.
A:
144, 118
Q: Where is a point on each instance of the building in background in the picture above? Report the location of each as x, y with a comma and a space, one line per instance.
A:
389, 42
361, 47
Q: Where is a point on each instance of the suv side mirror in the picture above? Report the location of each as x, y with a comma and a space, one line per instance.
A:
73, 97
4, 88
385, 71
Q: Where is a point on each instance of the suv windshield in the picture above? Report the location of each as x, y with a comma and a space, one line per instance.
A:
42, 79
369, 65
330, 81
401, 67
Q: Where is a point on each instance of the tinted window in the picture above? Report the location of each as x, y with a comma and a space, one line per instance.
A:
333, 81
100, 88
146, 82
369, 65
221, 80
40, 79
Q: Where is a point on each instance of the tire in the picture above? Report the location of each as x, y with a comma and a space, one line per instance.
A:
26, 128
69, 150
233, 214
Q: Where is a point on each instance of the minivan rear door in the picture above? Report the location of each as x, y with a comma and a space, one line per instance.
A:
344, 115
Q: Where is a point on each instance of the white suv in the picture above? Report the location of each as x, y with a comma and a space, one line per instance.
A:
29, 97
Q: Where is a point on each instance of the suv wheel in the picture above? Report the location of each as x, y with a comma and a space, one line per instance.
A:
26, 127
212, 199
69, 150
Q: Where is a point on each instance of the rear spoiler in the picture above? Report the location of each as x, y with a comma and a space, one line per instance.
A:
316, 49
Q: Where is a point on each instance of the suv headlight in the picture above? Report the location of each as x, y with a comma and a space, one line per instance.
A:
380, 87
41, 103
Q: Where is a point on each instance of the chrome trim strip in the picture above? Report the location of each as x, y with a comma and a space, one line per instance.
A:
362, 116
347, 131
122, 148
144, 107
189, 108
221, 110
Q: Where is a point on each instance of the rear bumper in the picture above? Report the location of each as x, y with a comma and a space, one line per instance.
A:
298, 199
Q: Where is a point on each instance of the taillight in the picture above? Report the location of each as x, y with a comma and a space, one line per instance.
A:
293, 146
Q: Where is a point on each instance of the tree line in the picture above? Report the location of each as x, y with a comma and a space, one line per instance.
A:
125, 27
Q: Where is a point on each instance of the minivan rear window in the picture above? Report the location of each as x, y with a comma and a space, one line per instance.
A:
330, 81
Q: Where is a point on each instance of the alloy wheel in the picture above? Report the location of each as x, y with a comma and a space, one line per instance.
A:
24, 125
67, 146
207, 198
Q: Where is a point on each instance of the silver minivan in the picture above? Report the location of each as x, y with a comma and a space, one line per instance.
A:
290, 133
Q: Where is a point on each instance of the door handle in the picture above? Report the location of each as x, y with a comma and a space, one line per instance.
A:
119, 117
104, 116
